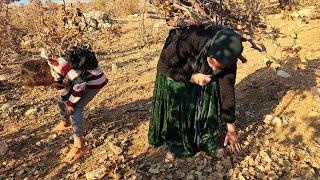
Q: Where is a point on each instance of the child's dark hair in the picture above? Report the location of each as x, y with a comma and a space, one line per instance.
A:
35, 72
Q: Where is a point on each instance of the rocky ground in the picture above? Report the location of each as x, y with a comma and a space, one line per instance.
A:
278, 114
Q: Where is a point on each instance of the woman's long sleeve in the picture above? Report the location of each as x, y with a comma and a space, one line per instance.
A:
227, 94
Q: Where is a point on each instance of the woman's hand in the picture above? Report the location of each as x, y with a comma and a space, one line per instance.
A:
232, 138
200, 79
69, 110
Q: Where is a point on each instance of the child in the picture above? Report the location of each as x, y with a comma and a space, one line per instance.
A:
76, 88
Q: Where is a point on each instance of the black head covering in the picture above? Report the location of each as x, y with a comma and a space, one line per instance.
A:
225, 46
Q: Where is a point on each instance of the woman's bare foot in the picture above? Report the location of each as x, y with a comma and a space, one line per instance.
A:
62, 126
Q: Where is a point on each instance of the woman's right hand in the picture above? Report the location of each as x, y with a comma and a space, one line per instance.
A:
200, 79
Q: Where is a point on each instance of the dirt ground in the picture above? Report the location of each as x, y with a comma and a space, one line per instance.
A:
286, 148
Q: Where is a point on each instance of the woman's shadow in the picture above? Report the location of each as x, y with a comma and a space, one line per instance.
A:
263, 92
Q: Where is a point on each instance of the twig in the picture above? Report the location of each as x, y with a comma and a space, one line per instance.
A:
143, 29
135, 110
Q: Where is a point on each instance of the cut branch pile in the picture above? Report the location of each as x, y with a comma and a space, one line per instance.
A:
244, 17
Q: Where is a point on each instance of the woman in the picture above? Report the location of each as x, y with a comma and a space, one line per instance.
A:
194, 90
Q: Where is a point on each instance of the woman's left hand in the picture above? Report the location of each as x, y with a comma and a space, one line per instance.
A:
232, 138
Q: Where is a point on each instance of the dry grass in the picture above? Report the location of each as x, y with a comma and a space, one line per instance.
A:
117, 8
30, 27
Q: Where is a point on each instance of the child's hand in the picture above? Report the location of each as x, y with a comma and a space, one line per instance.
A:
69, 110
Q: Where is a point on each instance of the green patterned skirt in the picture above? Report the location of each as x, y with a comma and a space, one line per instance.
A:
184, 116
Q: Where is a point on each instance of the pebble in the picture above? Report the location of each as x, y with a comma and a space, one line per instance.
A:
219, 153
247, 113
25, 137
114, 148
6, 106
30, 112
282, 73
315, 91
154, 171
260, 175
133, 16
181, 174
169, 176
267, 159
240, 177
20, 173
38, 143
114, 67
199, 174
3, 148
190, 177
98, 173
308, 12
219, 167
273, 120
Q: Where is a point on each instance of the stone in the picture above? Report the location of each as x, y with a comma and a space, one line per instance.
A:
21, 172
114, 148
169, 176
282, 73
154, 170
287, 163
105, 25
159, 25
6, 106
268, 119
272, 120
38, 143
53, 136
4, 77
209, 169
250, 161
114, 67
315, 91
226, 162
247, 113
153, 178
301, 155
240, 177
297, 48
280, 162
181, 174
219, 153
260, 175
219, 167
199, 174
30, 112
98, 173
190, 177
230, 172
134, 15
300, 66
2, 176
3, 148
313, 114
308, 12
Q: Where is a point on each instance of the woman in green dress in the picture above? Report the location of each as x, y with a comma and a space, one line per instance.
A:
194, 91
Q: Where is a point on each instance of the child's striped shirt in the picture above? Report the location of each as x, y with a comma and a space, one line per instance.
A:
71, 83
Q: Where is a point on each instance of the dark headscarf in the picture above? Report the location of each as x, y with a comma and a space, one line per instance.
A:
225, 46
